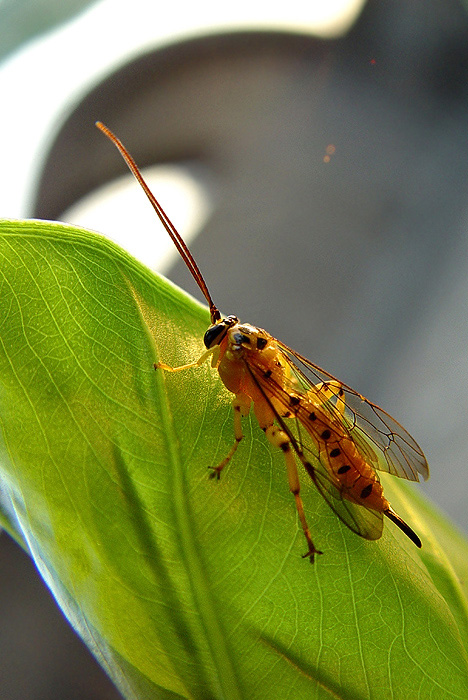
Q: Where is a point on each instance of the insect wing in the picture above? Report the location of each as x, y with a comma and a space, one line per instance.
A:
359, 518
381, 440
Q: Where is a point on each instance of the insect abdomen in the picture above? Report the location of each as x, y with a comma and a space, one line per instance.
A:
353, 477
358, 481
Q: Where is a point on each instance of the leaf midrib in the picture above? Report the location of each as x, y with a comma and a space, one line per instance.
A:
185, 526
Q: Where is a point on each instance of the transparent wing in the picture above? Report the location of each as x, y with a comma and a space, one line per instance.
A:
384, 443
361, 519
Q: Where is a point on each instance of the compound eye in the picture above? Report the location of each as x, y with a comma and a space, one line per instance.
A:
215, 334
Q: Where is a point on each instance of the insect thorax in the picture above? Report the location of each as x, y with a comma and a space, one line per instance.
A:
244, 335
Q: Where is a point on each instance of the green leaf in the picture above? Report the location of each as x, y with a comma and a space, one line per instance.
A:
184, 587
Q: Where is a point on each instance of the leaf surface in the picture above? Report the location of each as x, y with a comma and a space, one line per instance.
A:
184, 587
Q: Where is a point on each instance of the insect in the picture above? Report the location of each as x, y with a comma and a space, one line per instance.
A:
339, 436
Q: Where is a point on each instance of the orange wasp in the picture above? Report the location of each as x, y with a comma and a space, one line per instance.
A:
348, 437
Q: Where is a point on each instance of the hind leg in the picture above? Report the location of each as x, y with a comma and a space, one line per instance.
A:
279, 438
323, 392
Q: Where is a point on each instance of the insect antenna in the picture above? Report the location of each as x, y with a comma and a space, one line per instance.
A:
176, 238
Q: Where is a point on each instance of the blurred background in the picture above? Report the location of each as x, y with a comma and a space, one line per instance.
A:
316, 158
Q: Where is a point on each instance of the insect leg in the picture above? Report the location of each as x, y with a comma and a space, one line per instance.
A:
214, 352
241, 406
279, 438
327, 391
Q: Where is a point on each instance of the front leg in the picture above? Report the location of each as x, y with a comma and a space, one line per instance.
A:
211, 352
